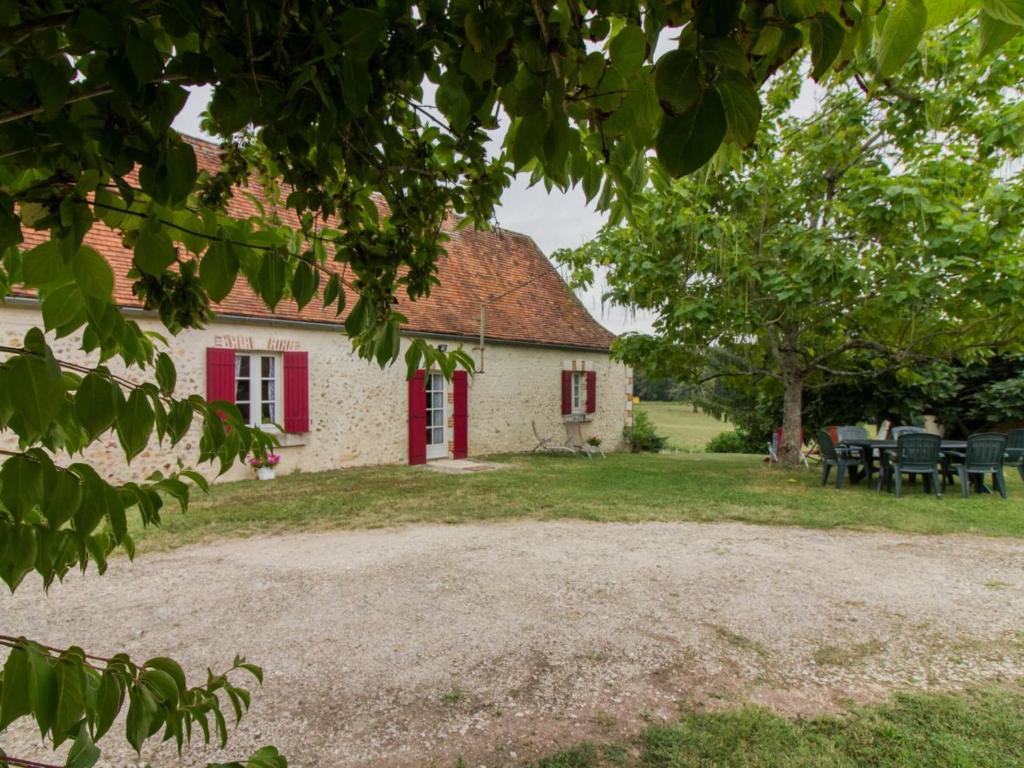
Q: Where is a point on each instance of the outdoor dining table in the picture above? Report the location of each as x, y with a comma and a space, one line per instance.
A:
869, 447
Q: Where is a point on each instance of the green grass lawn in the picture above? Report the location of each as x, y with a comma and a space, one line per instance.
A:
981, 729
623, 487
685, 430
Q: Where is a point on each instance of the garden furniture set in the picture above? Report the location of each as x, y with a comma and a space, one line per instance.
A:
911, 451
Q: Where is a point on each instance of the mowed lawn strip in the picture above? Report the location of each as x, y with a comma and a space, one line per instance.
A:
685, 430
981, 729
623, 488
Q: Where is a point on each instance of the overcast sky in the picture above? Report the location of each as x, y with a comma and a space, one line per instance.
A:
553, 220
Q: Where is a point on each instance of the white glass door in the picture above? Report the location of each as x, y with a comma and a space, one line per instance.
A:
437, 402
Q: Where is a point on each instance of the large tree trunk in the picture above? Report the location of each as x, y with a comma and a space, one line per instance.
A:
792, 411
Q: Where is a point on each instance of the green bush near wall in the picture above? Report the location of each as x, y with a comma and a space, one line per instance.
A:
643, 436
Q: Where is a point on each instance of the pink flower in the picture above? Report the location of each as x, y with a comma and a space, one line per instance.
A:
269, 460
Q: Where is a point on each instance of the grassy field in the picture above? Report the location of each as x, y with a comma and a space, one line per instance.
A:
982, 729
623, 487
685, 430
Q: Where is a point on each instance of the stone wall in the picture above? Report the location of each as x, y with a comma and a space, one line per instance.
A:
359, 413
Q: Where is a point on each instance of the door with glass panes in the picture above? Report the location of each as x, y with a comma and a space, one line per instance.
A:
437, 403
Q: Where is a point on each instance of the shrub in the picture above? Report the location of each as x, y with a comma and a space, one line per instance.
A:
736, 441
642, 436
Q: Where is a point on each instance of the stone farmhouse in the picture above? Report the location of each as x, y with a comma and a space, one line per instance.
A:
543, 360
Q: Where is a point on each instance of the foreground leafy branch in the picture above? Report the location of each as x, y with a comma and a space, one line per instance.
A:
75, 696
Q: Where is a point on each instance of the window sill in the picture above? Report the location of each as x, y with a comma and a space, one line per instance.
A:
291, 439
578, 417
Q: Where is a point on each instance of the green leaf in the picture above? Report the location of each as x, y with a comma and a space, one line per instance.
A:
161, 685
901, 34
154, 251
479, 66
93, 274
166, 375
941, 12
360, 31
331, 290
528, 139
18, 548
179, 419
70, 697
356, 85
96, 404
51, 83
827, 36
993, 33
219, 269
40, 394
678, 81
272, 278
628, 49
83, 753
62, 306
42, 266
1008, 11
23, 485
142, 712
109, 700
742, 107
358, 319
687, 141
171, 668
135, 420
14, 696
181, 172
43, 690
305, 281
62, 499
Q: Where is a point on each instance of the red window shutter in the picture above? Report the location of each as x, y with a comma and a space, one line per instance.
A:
566, 393
220, 374
296, 392
591, 391
460, 413
417, 419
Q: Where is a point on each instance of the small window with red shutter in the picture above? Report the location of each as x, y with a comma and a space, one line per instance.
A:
268, 389
579, 392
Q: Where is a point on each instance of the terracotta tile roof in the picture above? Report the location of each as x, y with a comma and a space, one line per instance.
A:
527, 300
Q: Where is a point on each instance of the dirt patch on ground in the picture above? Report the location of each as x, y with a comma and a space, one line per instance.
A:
500, 642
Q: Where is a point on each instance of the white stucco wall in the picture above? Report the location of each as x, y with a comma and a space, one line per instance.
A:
359, 413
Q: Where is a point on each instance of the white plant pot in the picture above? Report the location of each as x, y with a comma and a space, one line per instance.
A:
265, 473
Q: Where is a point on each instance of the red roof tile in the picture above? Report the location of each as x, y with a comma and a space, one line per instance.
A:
527, 300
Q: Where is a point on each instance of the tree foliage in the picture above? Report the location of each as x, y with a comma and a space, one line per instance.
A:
327, 107
879, 233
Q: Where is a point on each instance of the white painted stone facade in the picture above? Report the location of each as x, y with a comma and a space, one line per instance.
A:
359, 413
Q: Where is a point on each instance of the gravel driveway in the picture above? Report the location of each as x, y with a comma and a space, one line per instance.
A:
499, 642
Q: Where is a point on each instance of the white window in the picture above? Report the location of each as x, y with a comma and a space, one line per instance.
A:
258, 388
579, 389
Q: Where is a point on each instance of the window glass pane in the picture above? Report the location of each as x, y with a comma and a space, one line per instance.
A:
242, 365
269, 391
438, 400
268, 366
242, 389
269, 412
244, 408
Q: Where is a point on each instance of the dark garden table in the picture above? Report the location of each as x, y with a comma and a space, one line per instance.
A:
869, 447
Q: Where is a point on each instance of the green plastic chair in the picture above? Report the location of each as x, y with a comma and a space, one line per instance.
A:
838, 457
986, 453
1015, 450
916, 453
